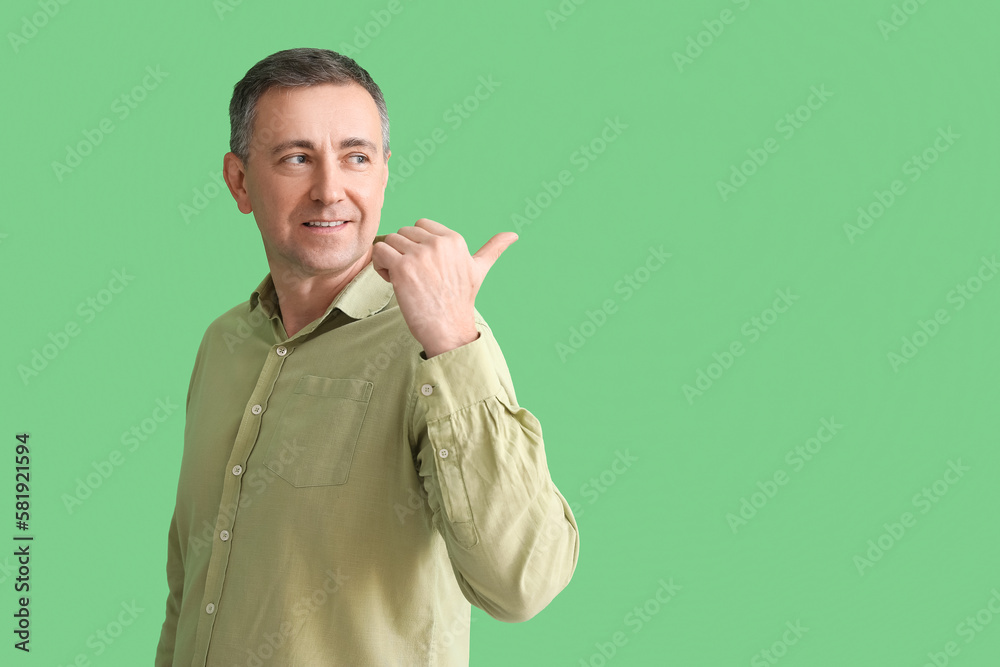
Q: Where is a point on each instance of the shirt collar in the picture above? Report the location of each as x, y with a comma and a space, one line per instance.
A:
365, 295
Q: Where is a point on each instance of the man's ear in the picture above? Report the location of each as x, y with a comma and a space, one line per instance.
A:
385, 176
235, 174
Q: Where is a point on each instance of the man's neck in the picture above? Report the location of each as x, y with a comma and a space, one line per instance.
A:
304, 299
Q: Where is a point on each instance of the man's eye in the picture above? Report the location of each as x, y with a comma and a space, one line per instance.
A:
296, 157
364, 158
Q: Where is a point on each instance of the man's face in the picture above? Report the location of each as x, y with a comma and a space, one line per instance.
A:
315, 156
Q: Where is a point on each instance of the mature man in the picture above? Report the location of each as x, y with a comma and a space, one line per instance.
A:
356, 468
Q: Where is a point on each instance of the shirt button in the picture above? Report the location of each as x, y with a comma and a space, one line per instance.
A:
237, 469
224, 535
256, 409
282, 351
427, 390
210, 608
443, 453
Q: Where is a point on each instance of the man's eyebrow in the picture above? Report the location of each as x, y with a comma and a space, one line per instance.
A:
354, 142
349, 142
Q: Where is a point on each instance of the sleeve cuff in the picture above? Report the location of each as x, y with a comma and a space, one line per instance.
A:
458, 378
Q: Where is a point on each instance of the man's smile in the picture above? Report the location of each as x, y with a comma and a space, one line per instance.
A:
325, 225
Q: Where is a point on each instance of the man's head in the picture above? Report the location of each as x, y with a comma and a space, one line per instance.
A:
310, 143
292, 68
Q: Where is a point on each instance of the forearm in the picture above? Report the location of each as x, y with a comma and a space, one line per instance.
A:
511, 535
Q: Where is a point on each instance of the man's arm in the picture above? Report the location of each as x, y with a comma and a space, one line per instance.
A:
511, 535
175, 556
175, 581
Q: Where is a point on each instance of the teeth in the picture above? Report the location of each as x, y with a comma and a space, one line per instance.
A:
325, 224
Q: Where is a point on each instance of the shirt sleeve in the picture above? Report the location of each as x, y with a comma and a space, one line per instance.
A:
175, 582
510, 534
175, 557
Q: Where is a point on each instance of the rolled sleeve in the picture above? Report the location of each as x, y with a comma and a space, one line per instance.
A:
510, 534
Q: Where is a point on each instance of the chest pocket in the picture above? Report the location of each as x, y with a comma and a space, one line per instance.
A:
317, 433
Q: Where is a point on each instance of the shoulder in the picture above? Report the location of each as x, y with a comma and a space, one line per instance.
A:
234, 326
238, 314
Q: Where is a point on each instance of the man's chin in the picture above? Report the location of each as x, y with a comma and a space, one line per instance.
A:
334, 265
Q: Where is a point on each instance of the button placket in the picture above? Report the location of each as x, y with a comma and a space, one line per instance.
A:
216, 576
281, 351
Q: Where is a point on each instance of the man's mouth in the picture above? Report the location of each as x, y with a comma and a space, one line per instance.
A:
325, 223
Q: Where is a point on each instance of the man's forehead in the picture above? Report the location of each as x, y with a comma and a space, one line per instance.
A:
288, 101
284, 113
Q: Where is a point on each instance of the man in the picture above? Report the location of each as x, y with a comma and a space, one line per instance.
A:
356, 468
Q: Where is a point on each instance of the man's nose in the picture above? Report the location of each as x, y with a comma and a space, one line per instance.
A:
328, 183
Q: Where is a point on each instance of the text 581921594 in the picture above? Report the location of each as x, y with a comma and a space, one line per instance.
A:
22, 505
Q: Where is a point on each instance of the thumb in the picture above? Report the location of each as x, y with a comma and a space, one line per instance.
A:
493, 248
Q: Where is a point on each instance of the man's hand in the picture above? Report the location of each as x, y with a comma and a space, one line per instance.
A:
436, 280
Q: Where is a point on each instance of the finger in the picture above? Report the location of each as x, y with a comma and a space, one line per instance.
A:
433, 227
384, 258
416, 234
399, 242
493, 248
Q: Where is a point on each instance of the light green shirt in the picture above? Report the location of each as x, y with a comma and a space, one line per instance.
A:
342, 499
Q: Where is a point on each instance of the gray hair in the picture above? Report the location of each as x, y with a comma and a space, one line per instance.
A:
293, 68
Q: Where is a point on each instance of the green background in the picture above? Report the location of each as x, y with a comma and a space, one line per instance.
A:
618, 396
